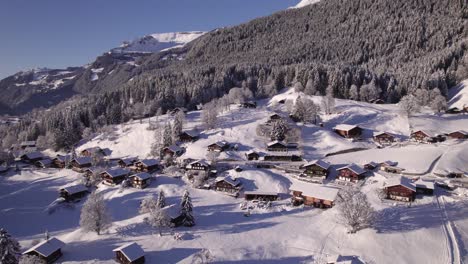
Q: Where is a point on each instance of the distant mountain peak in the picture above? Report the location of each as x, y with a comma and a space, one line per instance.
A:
305, 3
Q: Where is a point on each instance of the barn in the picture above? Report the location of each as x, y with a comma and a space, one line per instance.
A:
147, 165
140, 180
188, 136
351, 173
114, 176
74, 192
460, 134
227, 185
81, 163
252, 155
219, 146
421, 136
348, 131
316, 168
400, 189
60, 161
424, 187
313, 194
127, 162
49, 250
173, 151
130, 253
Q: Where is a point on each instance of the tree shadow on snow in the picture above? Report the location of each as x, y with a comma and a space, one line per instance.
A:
286, 260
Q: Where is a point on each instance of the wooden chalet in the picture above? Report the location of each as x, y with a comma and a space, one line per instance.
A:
48, 251
283, 156
460, 134
252, 155
313, 194
187, 136
391, 167
81, 163
88, 172
114, 176
71, 193
424, 187
400, 189
274, 117
277, 146
371, 166
219, 146
130, 253
316, 169
420, 136
198, 165
383, 137
173, 151
127, 162
261, 196
351, 173
147, 165
31, 157
140, 180
27, 144
60, 161
89, 152
227, 185
44, 163
348, 131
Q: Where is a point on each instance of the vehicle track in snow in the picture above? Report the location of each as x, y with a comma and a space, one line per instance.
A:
452, 246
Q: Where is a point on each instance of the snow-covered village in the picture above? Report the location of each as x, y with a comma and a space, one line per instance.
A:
177, 161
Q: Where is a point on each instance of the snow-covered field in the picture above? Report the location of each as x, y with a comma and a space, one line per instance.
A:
434, 229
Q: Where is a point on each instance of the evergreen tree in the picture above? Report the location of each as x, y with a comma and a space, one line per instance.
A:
167, 135
186, 210
161, 203
10, 249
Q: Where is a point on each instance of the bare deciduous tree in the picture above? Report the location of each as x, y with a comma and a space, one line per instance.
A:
94, 215
355, 210
410, 104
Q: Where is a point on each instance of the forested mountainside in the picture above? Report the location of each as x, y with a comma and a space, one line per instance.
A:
374, 48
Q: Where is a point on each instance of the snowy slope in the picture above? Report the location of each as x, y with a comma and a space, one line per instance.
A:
157, 42
303, 3
458, 95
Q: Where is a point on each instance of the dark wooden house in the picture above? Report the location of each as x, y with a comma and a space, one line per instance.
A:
89, 152
316, 169
127, 162
173, 151
313, 195
43, 163
371, 166
187, 136
228, 185
88, 172
60, 161
147, 165
252, 155
140, 180
199, 165
277, 146
49, 250
420, 136
351, 173
261, 196
32, 157
400, 189
383, 137
460, 134
81, 163
71, 193
424, 187
219, 146
283, 156
129, 254
114, 176
348, 131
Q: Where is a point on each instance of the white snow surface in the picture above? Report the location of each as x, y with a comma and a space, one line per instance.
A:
303, 3
281, 234
458, 95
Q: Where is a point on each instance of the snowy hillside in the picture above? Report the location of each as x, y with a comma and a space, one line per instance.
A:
403, 234
305, 3
157, 42
458, 96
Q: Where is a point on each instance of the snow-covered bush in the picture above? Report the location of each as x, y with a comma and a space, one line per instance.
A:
410, 104
94, 214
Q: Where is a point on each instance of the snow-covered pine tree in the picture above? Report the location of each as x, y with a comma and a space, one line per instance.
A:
167, 135
278, 131
159, 219
161, 203
186, 209
178, 125
94, 214
148, 204
10, 249
410, 104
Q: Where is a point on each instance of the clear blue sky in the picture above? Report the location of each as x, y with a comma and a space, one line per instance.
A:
60, 33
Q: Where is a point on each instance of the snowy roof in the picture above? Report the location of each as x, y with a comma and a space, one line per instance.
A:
117, 172
128, 161
321, 163
45, 162
389, 163
403, 181
378, 133
28, 143
190, 133
354, 168
46, 248
202, 162
220, 144
62, 158
260, 193
92, 149
228, 179
142, 175
315, 190
424, 184
33, 155
427, 133
149, 162
83, 160
461, 132
276, 142
75, 189
174, 148
345, 127
373, 164
132, 251
251, 152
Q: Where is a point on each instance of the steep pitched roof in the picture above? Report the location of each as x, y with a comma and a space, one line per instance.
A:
424, 184
62, 158
131, 251
379, 133
174, 148
75, 189
228, 179
33, 155
149, 162
354, 168
83, 160
276, 142
142, 175
403, 181
117, 172
345, 127
202, 162
315, 190
321, 163
46, 248
129, 161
